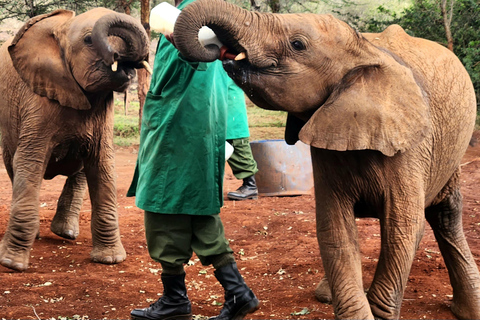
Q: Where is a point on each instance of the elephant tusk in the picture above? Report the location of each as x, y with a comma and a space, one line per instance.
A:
147, 67
240, 56
114, 66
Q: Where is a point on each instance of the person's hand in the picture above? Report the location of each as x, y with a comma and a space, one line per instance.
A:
170, 38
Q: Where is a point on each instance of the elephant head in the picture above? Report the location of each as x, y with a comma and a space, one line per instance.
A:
339, 89
69, 58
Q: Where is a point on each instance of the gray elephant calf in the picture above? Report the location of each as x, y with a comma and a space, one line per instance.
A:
56, 117
388, 118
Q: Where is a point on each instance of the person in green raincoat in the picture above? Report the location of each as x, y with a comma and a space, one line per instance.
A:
241, 161
178, 181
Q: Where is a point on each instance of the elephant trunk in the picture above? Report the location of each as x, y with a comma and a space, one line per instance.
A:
125, 27
228, 21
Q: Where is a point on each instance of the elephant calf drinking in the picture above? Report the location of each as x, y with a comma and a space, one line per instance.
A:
388, 118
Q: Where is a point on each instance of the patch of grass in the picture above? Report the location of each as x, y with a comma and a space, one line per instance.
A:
265, 124
267, 133
258, 117
125, 127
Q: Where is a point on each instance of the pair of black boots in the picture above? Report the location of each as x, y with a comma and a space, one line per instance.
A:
175, 305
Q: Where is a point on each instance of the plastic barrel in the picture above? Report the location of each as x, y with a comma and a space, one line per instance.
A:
283, 170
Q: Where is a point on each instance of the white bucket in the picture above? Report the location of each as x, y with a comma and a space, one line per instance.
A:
162, 20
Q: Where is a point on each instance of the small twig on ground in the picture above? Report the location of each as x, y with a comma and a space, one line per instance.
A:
464, 164
34, 311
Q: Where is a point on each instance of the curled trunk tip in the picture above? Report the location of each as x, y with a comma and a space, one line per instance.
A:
127, 28
215, 14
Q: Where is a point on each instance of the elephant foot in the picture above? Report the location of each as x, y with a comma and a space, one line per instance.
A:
465, 310
65, 228
323, 292
108, 254
15, 260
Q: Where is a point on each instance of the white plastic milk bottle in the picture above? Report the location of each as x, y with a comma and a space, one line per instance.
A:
162, 20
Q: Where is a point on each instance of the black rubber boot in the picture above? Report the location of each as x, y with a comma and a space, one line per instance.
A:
172, 305
248, 190
239, 299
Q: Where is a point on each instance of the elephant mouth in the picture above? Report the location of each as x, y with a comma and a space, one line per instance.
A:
242, 72
104, 78
236, 68
131, 65
124, 75
251, 80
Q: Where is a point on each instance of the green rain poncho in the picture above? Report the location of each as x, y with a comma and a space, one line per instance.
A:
181, 159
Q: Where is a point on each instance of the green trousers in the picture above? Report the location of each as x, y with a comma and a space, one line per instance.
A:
172, 239
242, 162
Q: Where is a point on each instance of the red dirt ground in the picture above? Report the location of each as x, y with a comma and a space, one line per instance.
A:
274, 243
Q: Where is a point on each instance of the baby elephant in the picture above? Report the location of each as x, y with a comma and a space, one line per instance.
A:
388, 118
56, 118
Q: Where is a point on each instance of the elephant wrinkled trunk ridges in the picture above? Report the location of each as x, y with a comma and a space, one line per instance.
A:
125, 27
188, 24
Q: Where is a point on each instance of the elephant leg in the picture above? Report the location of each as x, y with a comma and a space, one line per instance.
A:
24, 222
107, 247
323, 292
65, 221
7, 160
338, 241
402, 228
445, 218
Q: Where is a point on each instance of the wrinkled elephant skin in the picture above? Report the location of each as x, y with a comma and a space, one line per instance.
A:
388, 118
56, 118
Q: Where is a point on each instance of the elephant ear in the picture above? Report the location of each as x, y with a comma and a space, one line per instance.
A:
377, 107
40, 61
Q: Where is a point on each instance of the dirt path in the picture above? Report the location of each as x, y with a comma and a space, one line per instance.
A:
274, 243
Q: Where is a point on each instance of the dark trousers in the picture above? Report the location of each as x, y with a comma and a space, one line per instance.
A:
242, 162
172, 239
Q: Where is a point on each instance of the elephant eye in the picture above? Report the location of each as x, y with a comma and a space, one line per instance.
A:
297, 45
87, 39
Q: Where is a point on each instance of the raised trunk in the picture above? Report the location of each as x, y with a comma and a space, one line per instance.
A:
125, 27
225, 19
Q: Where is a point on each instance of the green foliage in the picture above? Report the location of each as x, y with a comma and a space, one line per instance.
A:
23, 10
424, 19
471, 60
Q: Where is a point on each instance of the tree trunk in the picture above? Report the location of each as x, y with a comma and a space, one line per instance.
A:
125, 5
142, 74
447, 21
255, 6
274, 5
